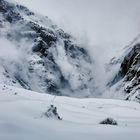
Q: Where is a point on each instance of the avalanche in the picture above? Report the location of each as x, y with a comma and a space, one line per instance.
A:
36, 56
39, 56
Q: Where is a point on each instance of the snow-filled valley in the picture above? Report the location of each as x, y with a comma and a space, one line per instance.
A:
21, 117
55, 87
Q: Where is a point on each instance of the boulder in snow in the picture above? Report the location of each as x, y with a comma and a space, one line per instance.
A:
109, 121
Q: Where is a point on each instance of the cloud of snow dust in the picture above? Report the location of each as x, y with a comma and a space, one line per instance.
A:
102, 27
8, 51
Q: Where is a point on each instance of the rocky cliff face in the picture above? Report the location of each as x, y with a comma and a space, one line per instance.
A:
128, 76
39, 56
130, 67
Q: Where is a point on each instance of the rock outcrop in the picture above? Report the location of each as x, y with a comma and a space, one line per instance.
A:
129, 73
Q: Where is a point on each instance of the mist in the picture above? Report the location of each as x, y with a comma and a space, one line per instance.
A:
108, 22
8, 51
105, 27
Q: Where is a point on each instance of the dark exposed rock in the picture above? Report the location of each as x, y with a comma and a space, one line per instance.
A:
22, 82
130, 72
109, 121
130, 59
40, 46
75, 51
131, 68
52, 113
46, 34
9, 12
25, 9
3, 6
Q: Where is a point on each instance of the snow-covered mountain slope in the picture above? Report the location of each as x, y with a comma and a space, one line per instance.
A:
21, 117
37, 55
127, 80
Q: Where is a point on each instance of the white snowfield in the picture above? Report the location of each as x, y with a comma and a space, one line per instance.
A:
21, 117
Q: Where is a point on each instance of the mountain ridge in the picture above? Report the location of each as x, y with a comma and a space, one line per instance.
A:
44, 50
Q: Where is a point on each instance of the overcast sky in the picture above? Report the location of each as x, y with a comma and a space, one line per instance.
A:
105, 22
109, 25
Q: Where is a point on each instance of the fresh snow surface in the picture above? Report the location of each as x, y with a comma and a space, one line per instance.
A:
21, 117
